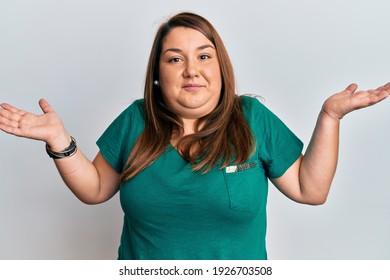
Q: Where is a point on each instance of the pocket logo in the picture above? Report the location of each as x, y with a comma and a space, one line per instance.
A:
240, 167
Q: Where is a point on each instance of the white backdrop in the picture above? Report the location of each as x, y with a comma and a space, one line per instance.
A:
88, 58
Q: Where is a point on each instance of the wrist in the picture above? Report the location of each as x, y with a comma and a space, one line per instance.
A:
328, 118
67, 152
60, 142
331, 109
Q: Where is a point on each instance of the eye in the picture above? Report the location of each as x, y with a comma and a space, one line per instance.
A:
204, 56
174, 60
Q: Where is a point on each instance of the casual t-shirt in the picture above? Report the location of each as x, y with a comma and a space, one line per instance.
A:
172, 212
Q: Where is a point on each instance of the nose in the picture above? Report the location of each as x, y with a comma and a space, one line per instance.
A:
191, 69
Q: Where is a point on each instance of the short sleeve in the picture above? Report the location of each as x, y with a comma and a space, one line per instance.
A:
118, 139
277, 147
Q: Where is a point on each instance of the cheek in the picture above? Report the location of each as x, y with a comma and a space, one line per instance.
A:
214, 72
169, 81
168, 90
216, 79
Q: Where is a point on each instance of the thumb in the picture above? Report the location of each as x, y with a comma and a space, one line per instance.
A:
352, 87
45, 106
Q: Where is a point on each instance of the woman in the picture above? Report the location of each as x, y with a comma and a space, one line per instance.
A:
191, 160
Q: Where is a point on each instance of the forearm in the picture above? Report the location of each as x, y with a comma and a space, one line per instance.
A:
309, 179
78, 173
319, 163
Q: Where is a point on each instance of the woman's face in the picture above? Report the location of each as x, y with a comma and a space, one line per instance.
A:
190, 75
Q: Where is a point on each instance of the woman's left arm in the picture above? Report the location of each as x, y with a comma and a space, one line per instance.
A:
309, 179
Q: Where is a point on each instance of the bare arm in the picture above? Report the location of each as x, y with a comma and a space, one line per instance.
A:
309, 179
92, 182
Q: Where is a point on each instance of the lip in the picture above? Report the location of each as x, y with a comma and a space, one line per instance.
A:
192, 86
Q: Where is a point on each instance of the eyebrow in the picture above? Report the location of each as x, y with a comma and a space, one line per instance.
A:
180, 51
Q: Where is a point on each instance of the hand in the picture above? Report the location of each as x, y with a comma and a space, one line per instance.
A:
47, 127
340, 104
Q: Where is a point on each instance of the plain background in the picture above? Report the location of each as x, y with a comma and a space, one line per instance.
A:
88, 59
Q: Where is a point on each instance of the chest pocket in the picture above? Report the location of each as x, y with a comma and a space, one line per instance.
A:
246, 186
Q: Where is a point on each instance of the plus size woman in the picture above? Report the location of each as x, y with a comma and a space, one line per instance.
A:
192, 158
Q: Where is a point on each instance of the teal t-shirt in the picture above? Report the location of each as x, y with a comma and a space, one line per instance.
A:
172, 212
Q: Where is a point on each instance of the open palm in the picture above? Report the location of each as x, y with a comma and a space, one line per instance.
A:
340, 104
45, 127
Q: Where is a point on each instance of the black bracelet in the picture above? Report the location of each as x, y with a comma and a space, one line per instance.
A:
70, 151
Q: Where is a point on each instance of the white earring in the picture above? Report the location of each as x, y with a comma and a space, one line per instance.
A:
156, 83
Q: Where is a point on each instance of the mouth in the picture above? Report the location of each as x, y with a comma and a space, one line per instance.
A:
192, 86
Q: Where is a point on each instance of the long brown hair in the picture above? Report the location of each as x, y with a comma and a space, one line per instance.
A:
225, 136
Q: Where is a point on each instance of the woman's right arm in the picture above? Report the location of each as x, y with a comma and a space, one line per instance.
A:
92, 182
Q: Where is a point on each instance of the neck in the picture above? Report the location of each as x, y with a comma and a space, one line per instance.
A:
188, 126
188, 129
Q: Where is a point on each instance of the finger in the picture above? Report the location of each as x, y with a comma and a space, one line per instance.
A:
372, 97
371, 93
45, 106
385, 87
8, 115
352, 87
374, 91
4, 120
12, 109
10, 130
9, 126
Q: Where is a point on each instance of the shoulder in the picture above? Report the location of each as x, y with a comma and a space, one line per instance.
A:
252, 106
136, 108
119, 137
258, 116
131, 118
134, 112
